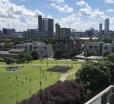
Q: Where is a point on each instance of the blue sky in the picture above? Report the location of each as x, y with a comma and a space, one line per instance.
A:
77, 14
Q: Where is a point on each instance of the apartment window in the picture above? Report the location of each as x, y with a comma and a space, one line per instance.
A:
95, 47
105, 48
35, 47
25, 47
90, 47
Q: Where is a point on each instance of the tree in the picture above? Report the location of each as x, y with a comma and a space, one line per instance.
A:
34, 55
109, 57
110, 66
95, 75
28, 56
107, 40
58, 53
88, 53
9, 60
24, 56
73, 52
68, 92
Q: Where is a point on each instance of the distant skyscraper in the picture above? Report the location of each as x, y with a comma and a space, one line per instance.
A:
57, 27
45, 24
40, 27
100, 32
48, 26
51, 27
92, 31
100, 28
106, 26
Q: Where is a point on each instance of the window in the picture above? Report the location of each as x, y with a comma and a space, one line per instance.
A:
95, 47
90, 47
105, 47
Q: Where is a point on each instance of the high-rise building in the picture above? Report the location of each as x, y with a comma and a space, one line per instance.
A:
57, 27
51, 27
40, 27
106, 26
8, 31
45, 24
65, 33
100, 32
48, 26
100, 28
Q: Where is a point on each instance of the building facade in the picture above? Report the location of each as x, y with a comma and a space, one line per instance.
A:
94, 48
106, 49
98, 48
65, 33
57, 27
44, 50
40, 27
106, 30
46, 25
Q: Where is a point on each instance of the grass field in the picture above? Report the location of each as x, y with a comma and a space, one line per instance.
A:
29, 78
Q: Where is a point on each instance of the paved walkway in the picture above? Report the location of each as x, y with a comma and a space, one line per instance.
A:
64, 76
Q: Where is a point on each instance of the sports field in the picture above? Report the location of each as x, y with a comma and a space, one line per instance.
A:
30, 77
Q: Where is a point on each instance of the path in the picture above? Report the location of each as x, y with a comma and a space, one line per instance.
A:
64, 76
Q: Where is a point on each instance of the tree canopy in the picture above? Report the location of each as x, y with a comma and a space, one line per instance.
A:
96, 75
68, 92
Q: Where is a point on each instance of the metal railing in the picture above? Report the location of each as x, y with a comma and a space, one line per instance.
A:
104, 97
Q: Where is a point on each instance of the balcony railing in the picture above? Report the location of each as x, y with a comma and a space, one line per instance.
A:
105, 97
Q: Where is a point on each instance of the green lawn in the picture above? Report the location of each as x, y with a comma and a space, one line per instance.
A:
28, 78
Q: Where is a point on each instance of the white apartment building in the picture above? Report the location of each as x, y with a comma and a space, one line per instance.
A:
98, 48
94, 47
44, 50
107, 48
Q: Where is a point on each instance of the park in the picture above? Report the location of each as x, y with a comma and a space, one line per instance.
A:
28, 78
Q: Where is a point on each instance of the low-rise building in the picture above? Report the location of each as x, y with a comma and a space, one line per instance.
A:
44, 50
98, 48
95, 48
67, 48
106, 49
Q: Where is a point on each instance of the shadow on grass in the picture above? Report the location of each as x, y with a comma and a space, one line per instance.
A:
61, 69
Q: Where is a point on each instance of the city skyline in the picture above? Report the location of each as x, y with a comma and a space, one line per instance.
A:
22, 14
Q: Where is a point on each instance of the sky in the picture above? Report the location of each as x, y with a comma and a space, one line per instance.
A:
77, 14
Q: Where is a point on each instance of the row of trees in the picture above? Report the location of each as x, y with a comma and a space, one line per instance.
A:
68, 92
23, 57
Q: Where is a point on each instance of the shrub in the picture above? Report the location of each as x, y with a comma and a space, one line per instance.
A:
68, 92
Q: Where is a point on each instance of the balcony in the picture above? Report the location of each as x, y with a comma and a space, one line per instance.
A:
105, 97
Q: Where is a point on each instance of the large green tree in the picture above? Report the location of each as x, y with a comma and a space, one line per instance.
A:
34, 55
24, 57
95, 75
109, 57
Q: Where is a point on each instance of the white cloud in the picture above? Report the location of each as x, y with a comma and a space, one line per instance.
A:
17, 15
58, 1
110, 11
86, 10
109, 1
62, 8
85, 18
76, 22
